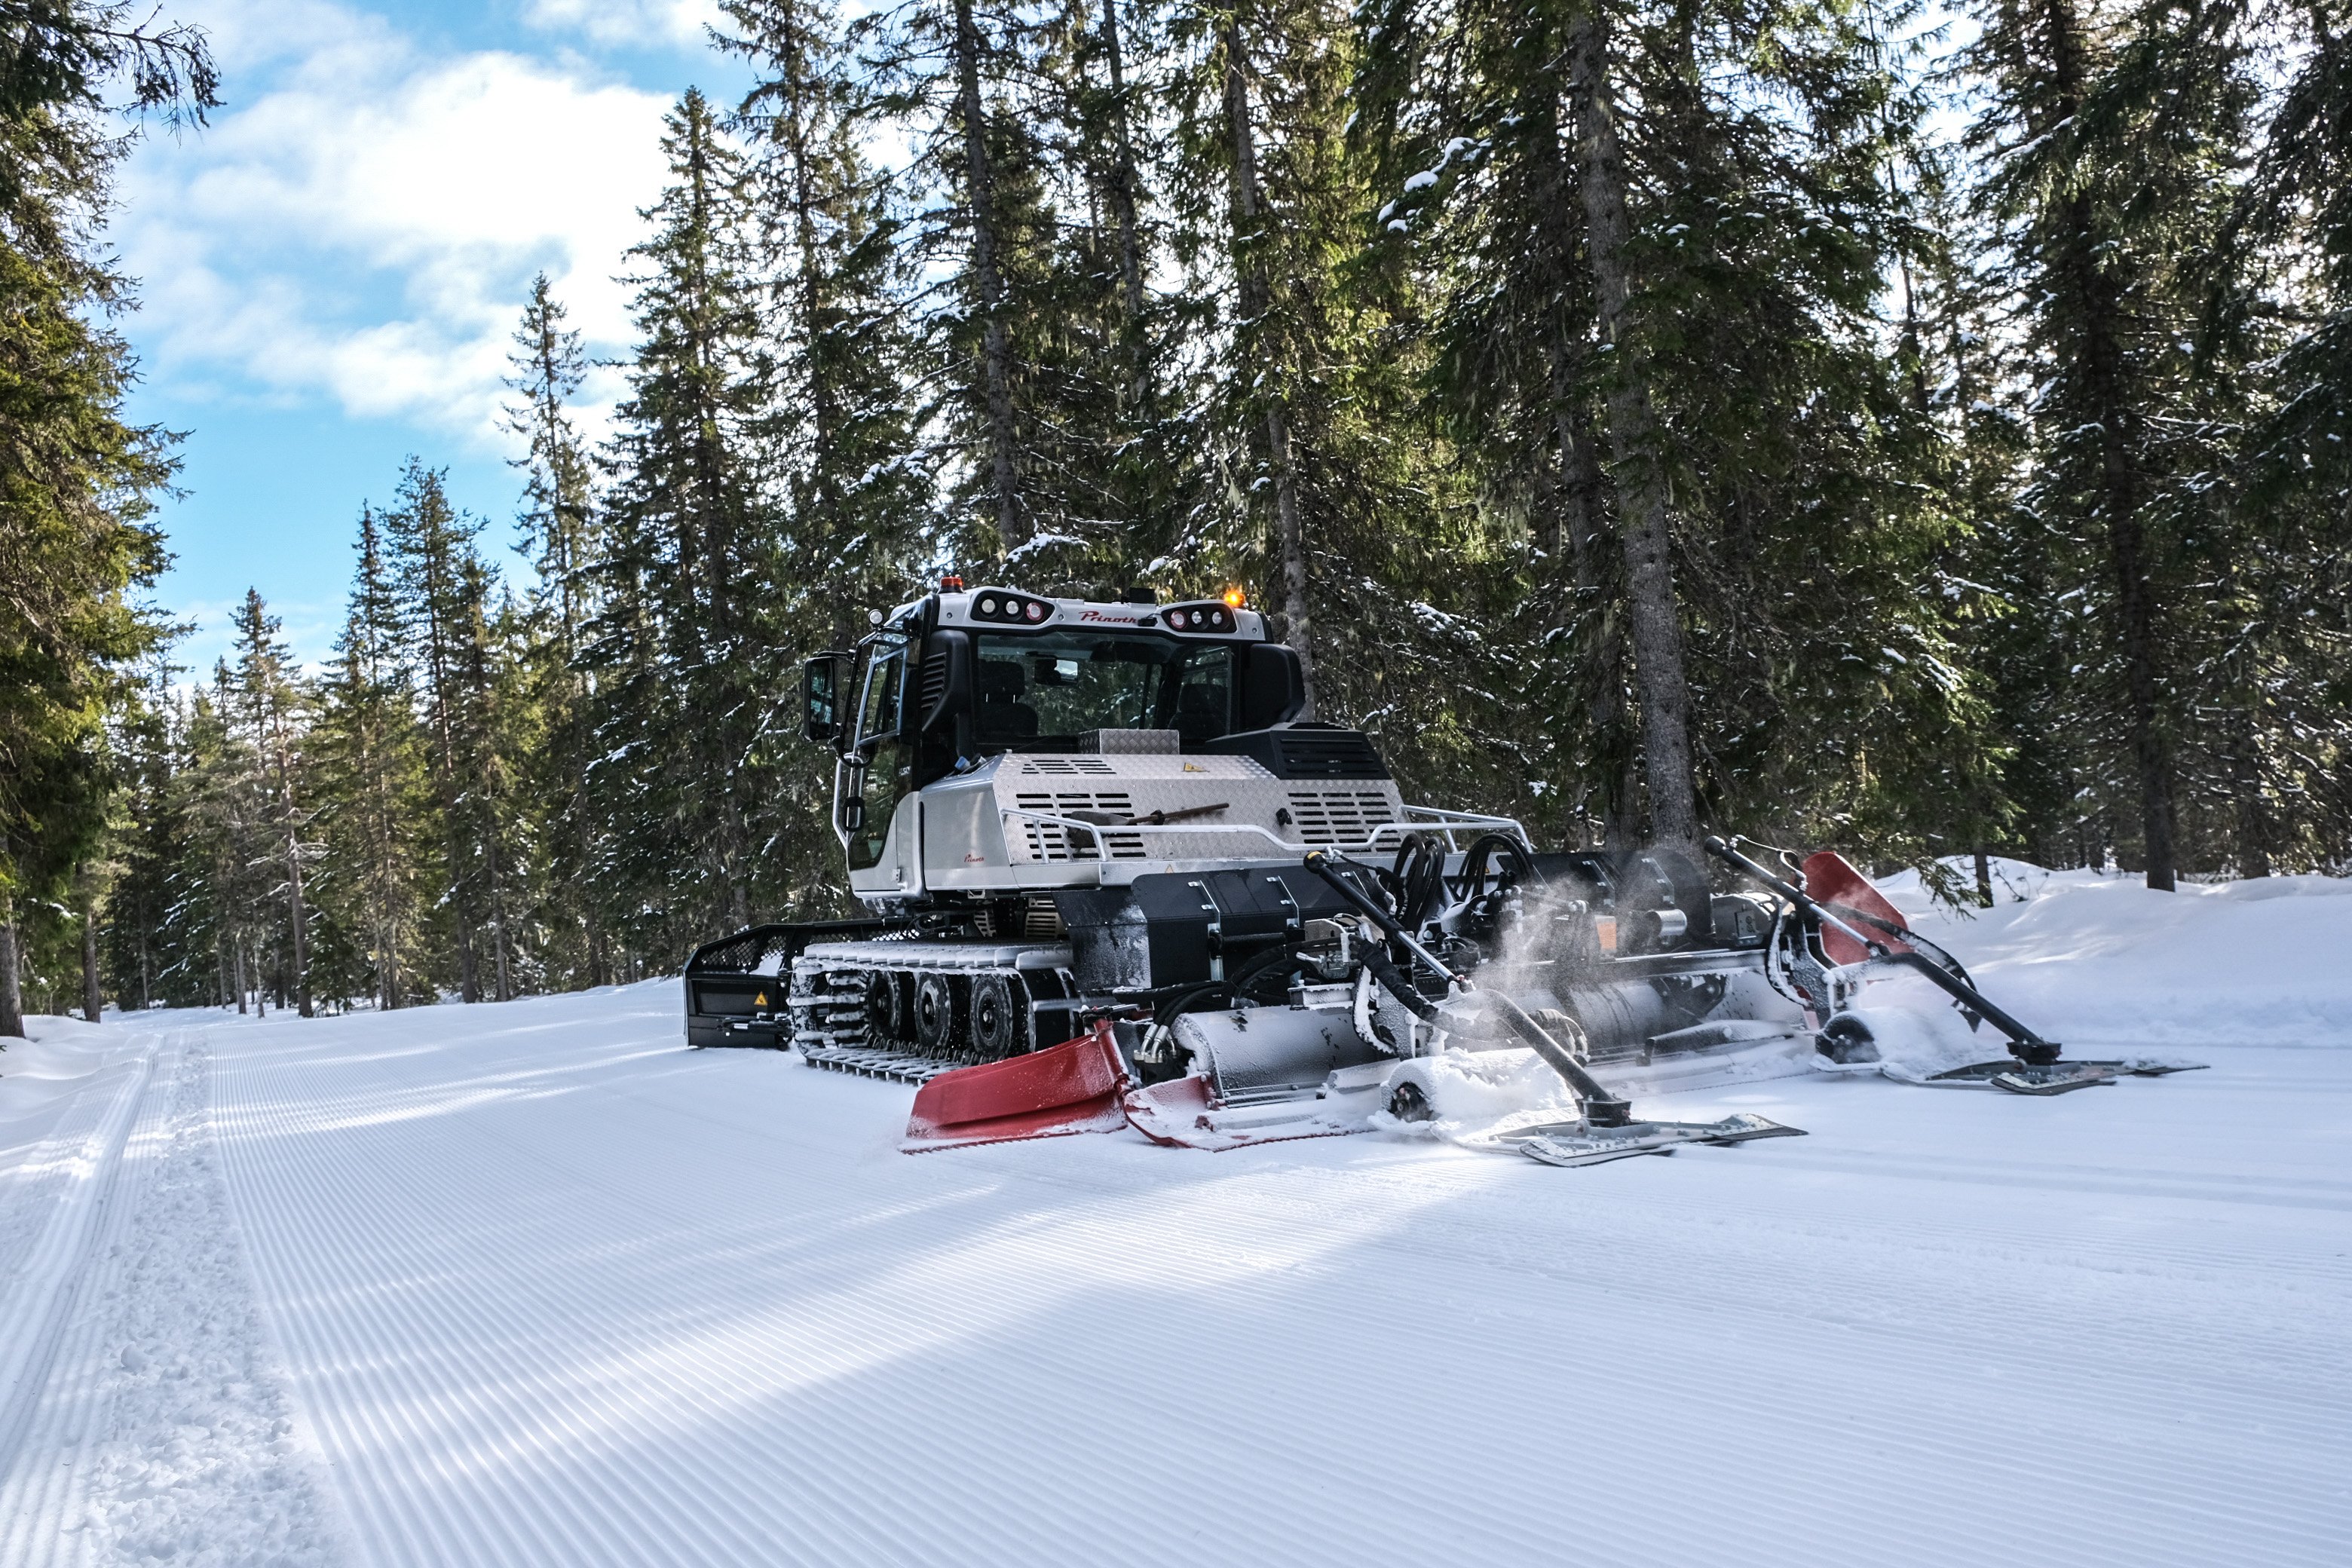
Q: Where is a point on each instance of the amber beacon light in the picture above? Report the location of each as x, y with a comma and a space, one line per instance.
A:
1235, 598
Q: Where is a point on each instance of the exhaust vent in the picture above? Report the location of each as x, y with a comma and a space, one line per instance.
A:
1033, 766
1327, 755
1053, 841
1338, 816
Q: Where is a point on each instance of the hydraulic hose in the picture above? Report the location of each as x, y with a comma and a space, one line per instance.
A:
1504, 850
1600, 1108
1235, 984
1419, 877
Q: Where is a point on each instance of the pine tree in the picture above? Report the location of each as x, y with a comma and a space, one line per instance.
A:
560, 525
436, 570
843, 425
270, 699
1466, 105
2278, 316
689, 635
369, 754
842, 431
76, 478
1746, 368
1257, 334
144, 848
2106, 143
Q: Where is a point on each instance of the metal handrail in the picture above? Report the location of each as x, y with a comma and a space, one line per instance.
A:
1433, 819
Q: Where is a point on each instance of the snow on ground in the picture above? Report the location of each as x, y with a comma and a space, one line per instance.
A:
2107, 961
533, 1284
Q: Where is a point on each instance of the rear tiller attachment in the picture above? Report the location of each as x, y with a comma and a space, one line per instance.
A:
1844, 934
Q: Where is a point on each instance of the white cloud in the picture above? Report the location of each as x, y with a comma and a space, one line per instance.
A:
674, 21
366, 225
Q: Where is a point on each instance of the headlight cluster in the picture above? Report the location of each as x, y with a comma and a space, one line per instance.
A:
1211, 617
1012, 609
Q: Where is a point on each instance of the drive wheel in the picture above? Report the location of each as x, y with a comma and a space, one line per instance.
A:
994, 1028
1408, 1103
1846, 1040
935, 1014
882, 1021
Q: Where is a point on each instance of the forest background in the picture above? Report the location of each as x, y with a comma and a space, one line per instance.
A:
1789, 418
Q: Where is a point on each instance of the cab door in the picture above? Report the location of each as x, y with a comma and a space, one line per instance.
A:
881, 762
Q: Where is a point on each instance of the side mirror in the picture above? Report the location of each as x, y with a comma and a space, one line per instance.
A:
821, 696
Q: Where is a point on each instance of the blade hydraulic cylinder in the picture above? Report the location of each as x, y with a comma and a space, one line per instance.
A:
1600, 1108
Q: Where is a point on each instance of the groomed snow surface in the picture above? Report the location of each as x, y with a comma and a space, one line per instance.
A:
535, 1284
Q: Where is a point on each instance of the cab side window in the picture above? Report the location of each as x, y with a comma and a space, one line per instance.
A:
877, 709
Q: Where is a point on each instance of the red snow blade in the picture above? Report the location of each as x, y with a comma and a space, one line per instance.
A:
1070, 1088
1832, 879
1178, 1114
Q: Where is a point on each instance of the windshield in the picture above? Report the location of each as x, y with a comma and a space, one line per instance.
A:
1053, 687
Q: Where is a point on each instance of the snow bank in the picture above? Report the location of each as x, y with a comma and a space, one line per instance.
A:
2093, 958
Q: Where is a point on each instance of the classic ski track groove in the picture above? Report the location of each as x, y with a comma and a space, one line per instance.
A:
554, 1291
37, 1308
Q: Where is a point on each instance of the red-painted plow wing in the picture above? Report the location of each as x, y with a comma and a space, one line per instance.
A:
1832, 879
1073, 1087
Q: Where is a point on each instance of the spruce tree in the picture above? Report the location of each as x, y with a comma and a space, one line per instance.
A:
271, 700
437, 582
2278, 313
2104, 146
76, 478
562, 543
688, 668
844, 420
375, 799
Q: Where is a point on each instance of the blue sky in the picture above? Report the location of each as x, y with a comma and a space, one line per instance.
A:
330, 272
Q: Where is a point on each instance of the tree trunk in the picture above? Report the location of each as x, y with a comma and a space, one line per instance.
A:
93, 1003
2135, 604
1122, 202
1289, 531
1583, 536
1580, 533
470, 980
2094, 306
1984, 876
296, 915
2253, 812
1655, 619
237, 953
979, 184
501, 972
12, 993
